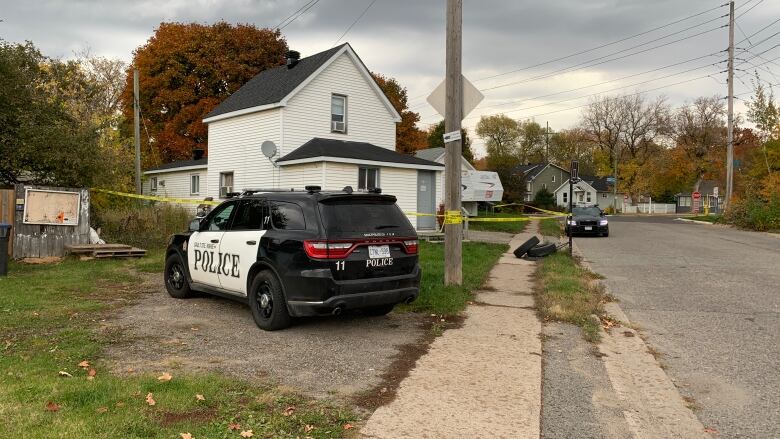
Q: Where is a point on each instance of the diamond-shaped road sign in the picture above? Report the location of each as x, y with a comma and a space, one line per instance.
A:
471, 97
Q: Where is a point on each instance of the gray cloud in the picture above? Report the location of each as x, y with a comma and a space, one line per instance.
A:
405, 39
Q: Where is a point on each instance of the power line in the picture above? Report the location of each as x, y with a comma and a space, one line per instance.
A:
354, 22
603, 45
305, 8
758, 31
749, 9
291, 15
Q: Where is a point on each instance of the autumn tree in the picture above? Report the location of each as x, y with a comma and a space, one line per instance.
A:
502, 135
185, 71
572, 144
531, 147
408, 138
53, 115
700, 130
436, 140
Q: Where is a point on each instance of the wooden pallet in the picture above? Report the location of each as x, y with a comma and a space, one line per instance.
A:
89, 248
130, 252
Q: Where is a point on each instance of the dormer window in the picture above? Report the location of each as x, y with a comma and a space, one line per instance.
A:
338, 114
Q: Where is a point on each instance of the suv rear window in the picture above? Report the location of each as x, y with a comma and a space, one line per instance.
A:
363, 217
287, 216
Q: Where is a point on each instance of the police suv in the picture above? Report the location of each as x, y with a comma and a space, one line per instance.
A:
299, 253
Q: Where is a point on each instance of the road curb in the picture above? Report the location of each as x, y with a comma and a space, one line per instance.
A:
686, 220
639, 381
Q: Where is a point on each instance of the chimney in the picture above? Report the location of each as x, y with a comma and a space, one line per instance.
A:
292, 58
197, 154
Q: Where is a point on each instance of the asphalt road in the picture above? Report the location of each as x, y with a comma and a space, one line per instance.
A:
708, 299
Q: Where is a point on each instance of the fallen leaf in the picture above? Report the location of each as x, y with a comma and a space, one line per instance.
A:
84, 364
200, 397
289, 410
234, 427
165, 377
120, 404
710, 430
628, 333
307, 428
35, 314
52, 406
348, 426
65, 374
150, 400
194, 328
247, 433
186, 436
101, 409
91, 373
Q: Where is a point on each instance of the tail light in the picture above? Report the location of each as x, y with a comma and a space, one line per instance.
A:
327, 250
411, 246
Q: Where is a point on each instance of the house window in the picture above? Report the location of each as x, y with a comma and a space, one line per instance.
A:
368, 178
153, 184
194, 184
544, 185
338, 114
225, 183
528, 187
579, 196
565, 197
588, 197
553, 178
684, 201
604, 195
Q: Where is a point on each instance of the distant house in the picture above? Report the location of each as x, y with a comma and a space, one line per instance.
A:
332, 126
589, 190
711, 195
538, 176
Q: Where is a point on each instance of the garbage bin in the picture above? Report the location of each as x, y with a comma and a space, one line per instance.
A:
5, 235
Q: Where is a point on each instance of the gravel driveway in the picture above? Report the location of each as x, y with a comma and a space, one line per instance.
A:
333, 356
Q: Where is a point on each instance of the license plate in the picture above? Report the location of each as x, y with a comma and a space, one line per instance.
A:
588, 228
378, 251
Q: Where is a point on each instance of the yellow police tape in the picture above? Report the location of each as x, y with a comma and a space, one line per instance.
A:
154, 198
450, 216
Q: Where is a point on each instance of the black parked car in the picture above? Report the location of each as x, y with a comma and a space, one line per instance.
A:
587, 221
291, 254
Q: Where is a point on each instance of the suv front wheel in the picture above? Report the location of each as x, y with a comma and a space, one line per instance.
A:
175, 279
266, 300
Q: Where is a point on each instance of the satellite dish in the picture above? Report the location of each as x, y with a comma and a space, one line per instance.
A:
269, 148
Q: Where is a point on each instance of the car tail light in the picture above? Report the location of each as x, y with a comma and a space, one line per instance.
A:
327, 250
411, 246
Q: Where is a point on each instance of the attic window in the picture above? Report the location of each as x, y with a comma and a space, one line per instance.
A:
338, 114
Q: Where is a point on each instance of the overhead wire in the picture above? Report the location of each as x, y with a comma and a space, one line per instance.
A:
303, 12
355, 22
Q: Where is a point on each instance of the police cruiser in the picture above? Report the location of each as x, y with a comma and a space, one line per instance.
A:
299, 253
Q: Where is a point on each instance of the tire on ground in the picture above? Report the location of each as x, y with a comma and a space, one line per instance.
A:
523, 249
177, 286
542, 250
269, 318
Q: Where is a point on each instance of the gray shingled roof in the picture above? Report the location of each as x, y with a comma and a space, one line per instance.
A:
181, 164
529, 170
319, 147
599, 183
429, 154
272, 85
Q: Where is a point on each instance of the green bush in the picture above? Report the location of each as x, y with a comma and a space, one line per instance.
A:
754, 213
145, 225
544, 199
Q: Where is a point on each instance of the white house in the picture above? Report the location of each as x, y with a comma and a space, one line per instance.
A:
589, 190
332, 126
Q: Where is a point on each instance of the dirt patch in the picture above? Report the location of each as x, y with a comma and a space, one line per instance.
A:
384, 392
200, 416
323, 357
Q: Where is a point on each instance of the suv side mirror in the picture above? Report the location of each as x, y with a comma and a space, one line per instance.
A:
195, 225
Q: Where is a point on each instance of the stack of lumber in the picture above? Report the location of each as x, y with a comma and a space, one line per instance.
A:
105, 250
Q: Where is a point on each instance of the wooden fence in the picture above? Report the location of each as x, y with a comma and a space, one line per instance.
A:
7, 208
40, 241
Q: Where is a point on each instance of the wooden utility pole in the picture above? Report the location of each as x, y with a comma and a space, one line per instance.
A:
614, 184
730, 127
137, 132
453, 237
547, 143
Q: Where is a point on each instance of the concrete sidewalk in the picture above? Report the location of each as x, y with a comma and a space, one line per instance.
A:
482, 380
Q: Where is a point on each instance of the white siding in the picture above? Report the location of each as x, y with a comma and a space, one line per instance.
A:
307, 114
234, 146
300, 176
176, 184
403, 184
339, 175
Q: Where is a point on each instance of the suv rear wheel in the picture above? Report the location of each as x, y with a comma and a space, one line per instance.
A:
266, 300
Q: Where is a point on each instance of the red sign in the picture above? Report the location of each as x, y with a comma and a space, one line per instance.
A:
697, 195
696, 198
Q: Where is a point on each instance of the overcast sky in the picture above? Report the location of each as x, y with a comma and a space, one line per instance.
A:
405, 39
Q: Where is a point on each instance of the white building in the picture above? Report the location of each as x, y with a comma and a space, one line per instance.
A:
332, 127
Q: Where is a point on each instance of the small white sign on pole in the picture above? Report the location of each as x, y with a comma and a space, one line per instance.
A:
715, 191
452, 136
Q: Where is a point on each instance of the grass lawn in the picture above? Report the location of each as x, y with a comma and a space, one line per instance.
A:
550, 227
565, 293
48, 325
508, 227
478, 259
